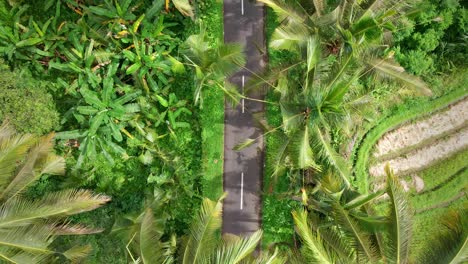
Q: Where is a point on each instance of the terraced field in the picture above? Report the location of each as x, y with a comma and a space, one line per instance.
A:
430, 155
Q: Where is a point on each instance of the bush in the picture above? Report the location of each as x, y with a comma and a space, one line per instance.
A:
26, 104
433, 38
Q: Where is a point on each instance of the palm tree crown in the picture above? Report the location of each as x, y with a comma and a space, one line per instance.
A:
28, 227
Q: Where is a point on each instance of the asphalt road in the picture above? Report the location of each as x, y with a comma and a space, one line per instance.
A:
243, 170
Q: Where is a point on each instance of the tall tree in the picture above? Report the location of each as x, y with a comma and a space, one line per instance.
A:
333, 49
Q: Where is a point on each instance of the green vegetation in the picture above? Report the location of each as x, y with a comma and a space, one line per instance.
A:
26, 103
404, 113
29, 226
388, 105
124, 102
212, 113
442, 182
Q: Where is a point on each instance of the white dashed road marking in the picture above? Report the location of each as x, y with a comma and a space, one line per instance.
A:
242, 191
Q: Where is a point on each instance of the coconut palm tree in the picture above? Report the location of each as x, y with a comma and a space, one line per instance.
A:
213, 62
332, 51
203, 244
340, 226
28, 227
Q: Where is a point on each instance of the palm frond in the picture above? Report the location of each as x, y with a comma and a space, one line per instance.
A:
305, 155
244, 144
231, 92
15, 256
269, 258
396, 72
37, 159
400, 220
289, 12
229, 59
289, 37
313, 247
337, 161
20, 212
360, 240
277, 158
150, 246
203, 238
13, 148
235, 249
74, 229
32, 239
77, 253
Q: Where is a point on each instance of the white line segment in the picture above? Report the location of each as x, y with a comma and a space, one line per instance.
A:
242, 6
243, 101
242, 191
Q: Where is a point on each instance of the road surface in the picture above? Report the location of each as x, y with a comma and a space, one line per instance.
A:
243, 170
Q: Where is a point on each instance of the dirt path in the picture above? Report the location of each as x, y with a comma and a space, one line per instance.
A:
441, 123
424, 157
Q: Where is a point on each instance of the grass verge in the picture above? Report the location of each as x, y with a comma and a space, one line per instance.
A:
212, 114
277, 221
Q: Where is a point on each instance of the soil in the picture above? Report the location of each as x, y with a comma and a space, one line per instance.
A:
424, 157
455, 116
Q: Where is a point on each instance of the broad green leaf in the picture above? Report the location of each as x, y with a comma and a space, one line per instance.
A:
115, 131
108, 89
73, 134
137, 23
69, 67
127, 98
129, 55
87, 110
133, 68
132, 108
95, 123
92, 98
102, 11
28, 42
161, 100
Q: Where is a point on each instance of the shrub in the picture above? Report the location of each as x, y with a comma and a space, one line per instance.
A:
26, 104
433, 38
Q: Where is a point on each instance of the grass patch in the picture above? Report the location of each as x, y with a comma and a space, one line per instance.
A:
212, 114
212, 123
435, 176
438, 173
277, 221
403, 113
425, 224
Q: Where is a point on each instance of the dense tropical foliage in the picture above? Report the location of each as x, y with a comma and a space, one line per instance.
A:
112, 131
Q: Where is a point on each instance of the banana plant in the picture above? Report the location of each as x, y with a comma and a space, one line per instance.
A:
151, 64
105, 115
167, 114
19, 42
